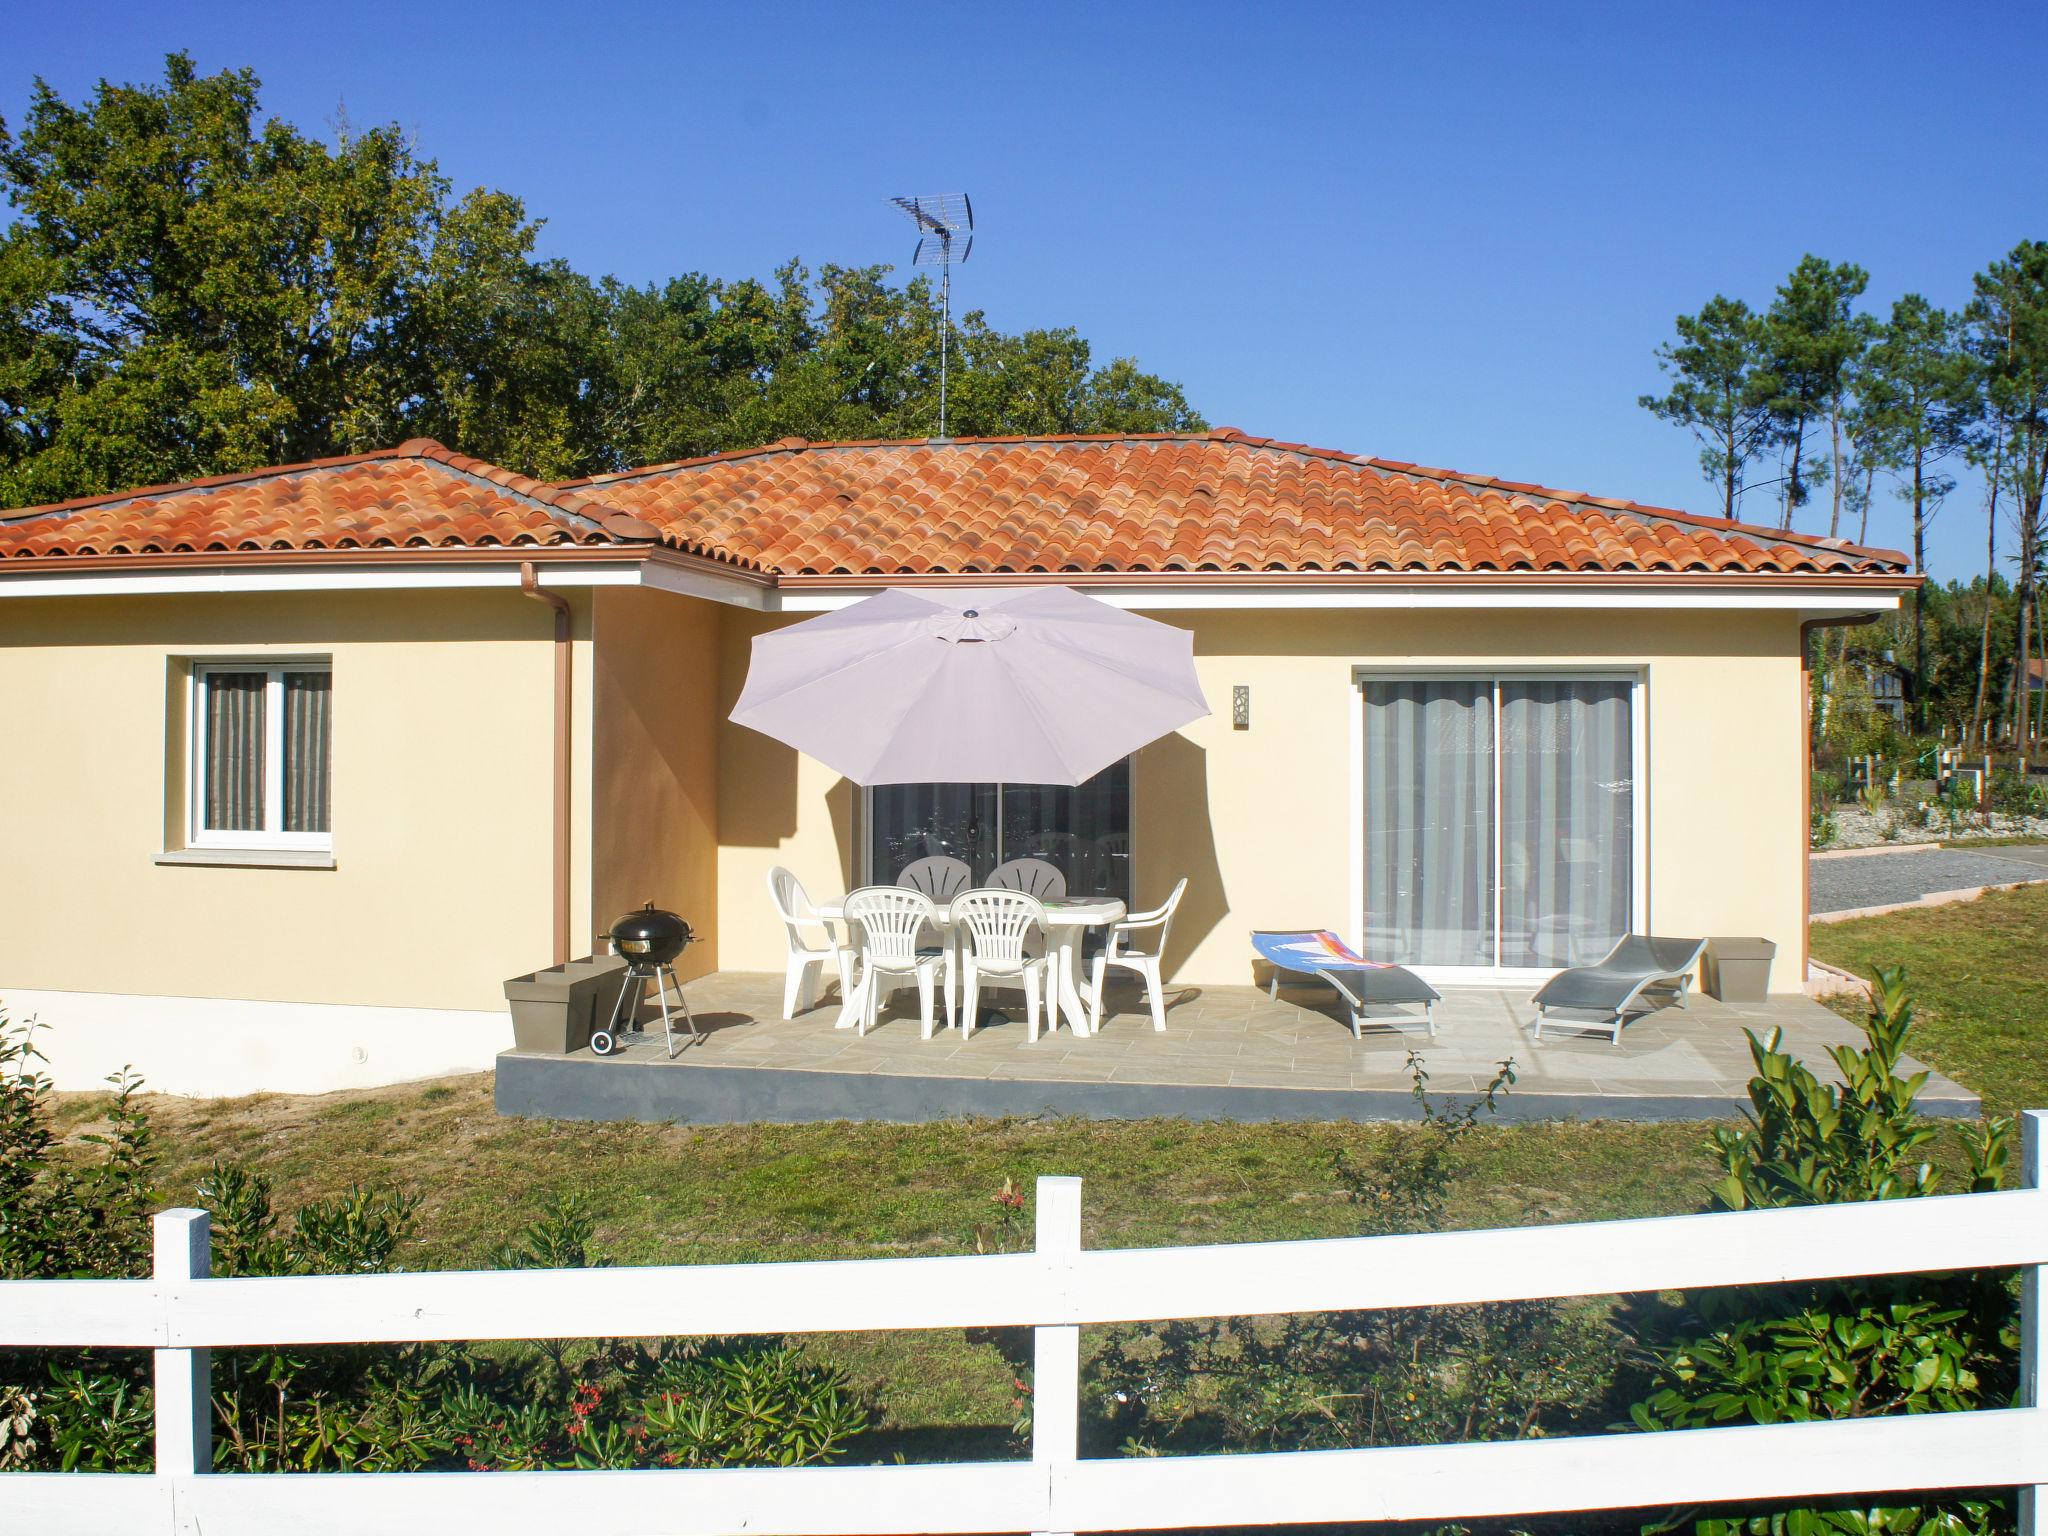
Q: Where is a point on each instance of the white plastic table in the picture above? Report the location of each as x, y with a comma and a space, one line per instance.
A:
1064, 921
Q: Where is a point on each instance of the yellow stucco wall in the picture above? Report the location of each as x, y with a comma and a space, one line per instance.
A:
441, 773
441, 784
1230, 808
774, 807
654, 762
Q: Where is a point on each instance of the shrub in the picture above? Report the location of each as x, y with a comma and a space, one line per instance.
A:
1846, 1348
1823, 828
372, 1407
63, 1215
1385, 1377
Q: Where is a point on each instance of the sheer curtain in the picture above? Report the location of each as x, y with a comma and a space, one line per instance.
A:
1429, 836
306, 770
234, 750
1567, 808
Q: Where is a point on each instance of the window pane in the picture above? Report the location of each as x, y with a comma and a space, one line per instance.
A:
1429, 855
306, 696
1567, 820
1083, 830
908, 822
233, 792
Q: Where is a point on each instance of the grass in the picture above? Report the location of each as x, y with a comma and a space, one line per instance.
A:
1979, 971
673, 1194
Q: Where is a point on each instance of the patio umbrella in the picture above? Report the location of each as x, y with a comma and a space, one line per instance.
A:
1024, 685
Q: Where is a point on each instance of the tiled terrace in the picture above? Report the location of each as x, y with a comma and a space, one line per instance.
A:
1227, 1053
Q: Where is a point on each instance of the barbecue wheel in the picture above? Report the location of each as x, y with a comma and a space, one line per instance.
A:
602, 1042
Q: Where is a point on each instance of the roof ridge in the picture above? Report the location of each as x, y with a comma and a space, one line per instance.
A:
607, 519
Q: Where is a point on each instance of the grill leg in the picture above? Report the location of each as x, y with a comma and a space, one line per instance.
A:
663, 979
625, 1011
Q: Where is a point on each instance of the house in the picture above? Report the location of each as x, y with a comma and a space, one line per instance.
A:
303, 762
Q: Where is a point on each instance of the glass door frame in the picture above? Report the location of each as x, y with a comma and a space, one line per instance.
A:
1636, 677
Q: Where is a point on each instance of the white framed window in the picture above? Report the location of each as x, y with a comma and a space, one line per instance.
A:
261, 763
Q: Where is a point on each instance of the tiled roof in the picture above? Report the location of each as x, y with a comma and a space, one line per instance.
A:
1171, 503
1217, 501
418, 495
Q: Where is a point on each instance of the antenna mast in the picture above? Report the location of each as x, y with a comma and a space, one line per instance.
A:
941, 221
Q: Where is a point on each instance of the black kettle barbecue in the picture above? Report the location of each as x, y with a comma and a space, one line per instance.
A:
650, 940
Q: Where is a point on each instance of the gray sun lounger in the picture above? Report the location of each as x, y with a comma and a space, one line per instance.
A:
1634, 969
1359, 982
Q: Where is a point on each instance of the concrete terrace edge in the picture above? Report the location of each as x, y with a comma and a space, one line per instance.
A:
567, 1088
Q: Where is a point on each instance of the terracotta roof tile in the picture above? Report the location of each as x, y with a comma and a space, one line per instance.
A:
1218, 501
1213, 501
418, 495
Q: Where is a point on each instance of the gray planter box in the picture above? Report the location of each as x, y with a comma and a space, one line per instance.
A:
1738, 970
556, 1009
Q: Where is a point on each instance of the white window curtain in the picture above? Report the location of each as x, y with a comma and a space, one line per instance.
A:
235, 730
306, 696
1567, 811
1499, 820
1429, 823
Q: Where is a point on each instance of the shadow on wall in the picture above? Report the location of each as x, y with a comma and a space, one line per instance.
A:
756, 773
1174, 837
840, 800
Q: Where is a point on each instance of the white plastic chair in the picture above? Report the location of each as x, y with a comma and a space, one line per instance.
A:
998, 925
939, 876
1034, 877
806, 961
891, 919
1142, 957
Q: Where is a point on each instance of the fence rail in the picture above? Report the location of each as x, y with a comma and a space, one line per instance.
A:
181, 1314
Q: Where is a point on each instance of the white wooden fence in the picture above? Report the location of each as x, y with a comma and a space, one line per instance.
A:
181, 1315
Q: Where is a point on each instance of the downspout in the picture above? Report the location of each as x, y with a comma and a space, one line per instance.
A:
529, 584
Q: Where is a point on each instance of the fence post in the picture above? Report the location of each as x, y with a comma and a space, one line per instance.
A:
2033, 1497
184, 1377
1056, 1351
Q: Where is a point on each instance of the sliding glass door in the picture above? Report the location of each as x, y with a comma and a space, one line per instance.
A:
1083, 830
1499, 820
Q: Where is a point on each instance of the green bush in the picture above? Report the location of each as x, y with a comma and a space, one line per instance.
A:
368, 1407
1402, 1376
1839, 1349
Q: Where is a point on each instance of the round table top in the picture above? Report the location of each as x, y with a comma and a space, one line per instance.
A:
1066, 911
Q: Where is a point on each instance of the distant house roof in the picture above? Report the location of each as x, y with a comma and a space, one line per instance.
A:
1215, 502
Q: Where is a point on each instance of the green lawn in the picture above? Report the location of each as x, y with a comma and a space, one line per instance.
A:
665, 1194
1980, 981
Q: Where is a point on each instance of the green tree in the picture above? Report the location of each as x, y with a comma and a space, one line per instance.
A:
1924, 388
1720, 390
2009, 321
1812, 338
187, 290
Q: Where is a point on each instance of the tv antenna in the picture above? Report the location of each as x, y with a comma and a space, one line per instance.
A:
945, 234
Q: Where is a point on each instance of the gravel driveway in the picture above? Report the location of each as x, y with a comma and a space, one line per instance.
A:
1881, 879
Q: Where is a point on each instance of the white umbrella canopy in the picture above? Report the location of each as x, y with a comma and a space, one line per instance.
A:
1019, 685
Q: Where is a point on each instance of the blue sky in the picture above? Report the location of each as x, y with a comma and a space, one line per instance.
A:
1451, 234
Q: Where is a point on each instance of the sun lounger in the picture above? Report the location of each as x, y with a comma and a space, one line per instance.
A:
1360, 982
1634, 969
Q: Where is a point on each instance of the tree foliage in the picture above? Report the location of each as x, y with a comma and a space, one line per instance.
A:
189, 289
